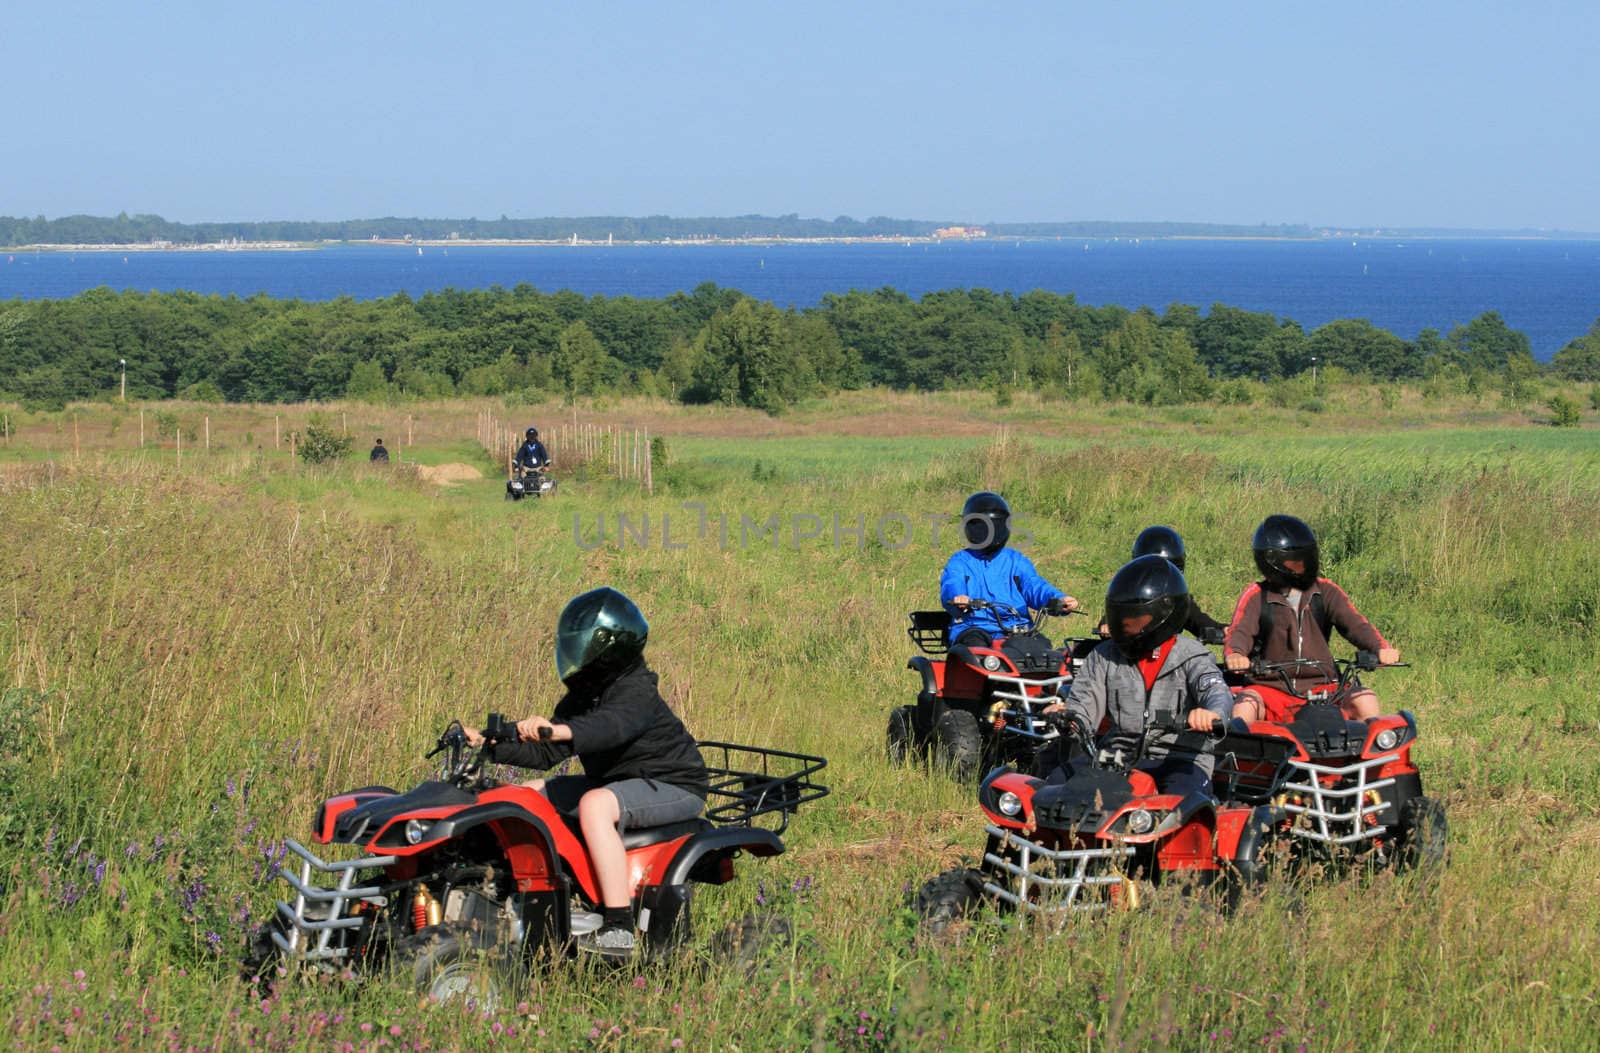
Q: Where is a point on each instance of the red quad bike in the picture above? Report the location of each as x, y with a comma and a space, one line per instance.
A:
978, 705
1353, 794
467, 870
1098, 840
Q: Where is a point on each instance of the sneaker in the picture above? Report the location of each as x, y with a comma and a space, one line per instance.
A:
611, 941
585, 921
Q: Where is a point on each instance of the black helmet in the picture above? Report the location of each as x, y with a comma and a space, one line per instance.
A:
533, 433
1280, 539
599, 635
986, 522
1160, 541
1148, 586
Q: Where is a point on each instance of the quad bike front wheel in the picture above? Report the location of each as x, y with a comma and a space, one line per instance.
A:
1423, 836
902, 736
958, 744
449, 964
944, 902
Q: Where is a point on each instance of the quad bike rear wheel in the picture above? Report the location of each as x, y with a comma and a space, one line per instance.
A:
958, 744
753, 940
1424, 835
902, 736
944, 902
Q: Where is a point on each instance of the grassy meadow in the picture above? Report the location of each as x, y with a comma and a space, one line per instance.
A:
197, 652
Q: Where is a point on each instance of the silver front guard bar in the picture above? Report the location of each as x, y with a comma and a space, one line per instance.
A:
1328, 808
1021, 709
1044, 894
318, 911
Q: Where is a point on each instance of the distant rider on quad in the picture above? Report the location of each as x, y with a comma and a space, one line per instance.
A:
1286, 617
640, 764
532, 454
987, 570
1146, 676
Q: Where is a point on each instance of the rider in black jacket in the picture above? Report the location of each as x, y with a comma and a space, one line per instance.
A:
620, 730
640, 765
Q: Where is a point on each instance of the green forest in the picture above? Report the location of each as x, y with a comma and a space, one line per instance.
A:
717, 345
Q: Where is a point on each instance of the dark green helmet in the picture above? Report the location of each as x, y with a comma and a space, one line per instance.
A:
986, 522
1160, 541
1147, 603
600, 634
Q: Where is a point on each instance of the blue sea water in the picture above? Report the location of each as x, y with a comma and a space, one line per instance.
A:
1549, 290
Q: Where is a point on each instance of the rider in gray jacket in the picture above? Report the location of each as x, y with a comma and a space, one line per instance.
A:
1148, 676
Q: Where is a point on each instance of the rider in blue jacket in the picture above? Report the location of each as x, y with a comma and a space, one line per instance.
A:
987, 570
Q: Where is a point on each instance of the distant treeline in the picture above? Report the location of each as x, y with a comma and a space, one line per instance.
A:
140, 230
714, 345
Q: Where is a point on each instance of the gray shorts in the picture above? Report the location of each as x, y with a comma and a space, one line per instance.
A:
642, 802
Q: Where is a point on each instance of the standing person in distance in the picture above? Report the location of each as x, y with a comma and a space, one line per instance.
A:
988, 570
1286, 616
641, 766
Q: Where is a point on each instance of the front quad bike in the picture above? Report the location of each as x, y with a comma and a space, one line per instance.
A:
466, 872
1094, 842
972, 697
1353, 794
529, 482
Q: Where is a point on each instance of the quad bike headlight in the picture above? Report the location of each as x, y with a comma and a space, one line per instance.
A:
1387, 739
1009, 804
991, 662
1140, 821
416, 830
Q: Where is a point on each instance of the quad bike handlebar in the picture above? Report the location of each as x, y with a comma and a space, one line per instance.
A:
1024, 621
1345, 670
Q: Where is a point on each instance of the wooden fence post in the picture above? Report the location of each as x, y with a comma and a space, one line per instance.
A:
141, 427
277, 432
75, 451
208, 433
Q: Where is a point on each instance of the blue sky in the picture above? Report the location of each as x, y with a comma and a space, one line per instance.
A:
1397, 114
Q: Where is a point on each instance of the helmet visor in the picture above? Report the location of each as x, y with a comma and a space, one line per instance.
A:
577, 648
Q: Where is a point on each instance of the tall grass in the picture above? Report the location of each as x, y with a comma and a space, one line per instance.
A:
194, 657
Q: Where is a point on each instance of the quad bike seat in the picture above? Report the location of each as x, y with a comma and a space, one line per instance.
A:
654, 835
648, 835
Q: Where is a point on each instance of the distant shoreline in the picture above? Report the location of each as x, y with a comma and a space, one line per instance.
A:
891, 240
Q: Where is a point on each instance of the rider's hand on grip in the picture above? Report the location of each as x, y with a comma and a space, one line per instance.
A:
1236, 662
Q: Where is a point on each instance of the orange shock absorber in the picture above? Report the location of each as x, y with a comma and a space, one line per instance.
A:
419, 908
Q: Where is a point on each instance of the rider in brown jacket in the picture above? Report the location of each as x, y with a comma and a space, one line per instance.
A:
1286, 616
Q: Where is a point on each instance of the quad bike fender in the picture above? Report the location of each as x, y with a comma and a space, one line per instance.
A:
929, 706
715, 842
323, 824
663, 909
1248, 835
532, 847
